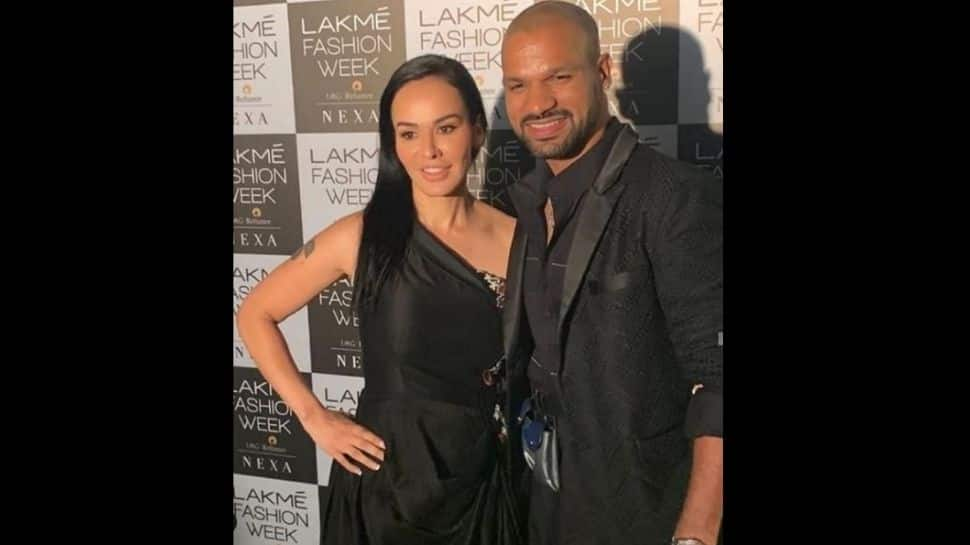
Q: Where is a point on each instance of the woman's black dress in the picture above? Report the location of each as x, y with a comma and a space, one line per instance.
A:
435, 327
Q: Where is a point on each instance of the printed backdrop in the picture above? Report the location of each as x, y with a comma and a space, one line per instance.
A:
307, 78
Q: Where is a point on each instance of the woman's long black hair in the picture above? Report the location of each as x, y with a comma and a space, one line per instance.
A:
389, 216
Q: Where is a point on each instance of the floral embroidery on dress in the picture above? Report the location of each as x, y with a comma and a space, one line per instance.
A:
497, 285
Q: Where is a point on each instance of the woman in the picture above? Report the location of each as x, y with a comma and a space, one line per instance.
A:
423, 462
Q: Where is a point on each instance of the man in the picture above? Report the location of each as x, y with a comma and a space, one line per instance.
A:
614, 305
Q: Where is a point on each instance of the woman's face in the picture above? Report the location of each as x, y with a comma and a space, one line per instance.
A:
433, 136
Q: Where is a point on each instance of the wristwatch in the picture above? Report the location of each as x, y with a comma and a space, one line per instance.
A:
686, 541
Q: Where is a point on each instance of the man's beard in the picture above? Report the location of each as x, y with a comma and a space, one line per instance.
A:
575, 140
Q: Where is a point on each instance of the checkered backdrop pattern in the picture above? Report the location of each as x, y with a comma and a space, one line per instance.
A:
307, 79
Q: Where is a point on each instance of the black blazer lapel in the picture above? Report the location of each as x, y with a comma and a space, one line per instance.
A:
594, 213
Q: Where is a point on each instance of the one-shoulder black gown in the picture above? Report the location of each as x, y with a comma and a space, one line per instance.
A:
436, 326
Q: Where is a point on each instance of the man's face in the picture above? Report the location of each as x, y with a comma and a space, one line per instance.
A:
554, 95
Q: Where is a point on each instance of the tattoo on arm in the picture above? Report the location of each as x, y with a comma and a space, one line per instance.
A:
306, 250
